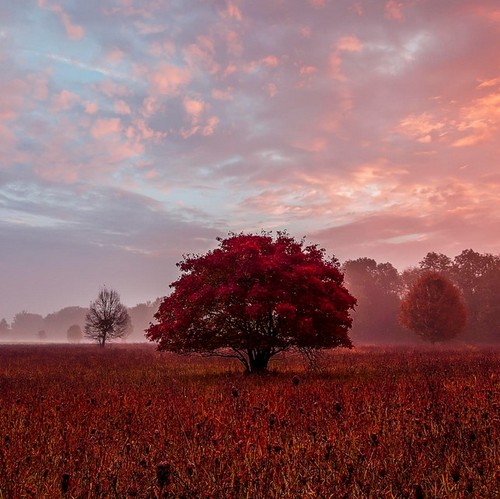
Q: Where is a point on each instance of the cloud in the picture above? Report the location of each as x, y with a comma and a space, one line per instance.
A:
64, 101
103, 127
121, 107
370, 126
394, 10
167, 79
232, 11
74, 31
480, 121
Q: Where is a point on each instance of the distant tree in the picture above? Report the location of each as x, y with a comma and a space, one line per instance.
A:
59, 322
4, 329
141, 316
42, 335
433, 308
476, 275
436, 262
74, 333
255, 296
487, 319
107, 318
408, 278
377, 287
26, 325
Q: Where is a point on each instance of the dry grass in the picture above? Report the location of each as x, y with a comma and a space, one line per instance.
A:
129, 422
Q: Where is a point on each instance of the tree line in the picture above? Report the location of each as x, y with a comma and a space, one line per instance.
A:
68, 324
257, 295
379, 289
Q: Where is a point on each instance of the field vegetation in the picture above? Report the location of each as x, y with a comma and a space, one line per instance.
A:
127, 421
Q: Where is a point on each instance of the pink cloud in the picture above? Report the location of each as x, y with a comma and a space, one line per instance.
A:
140, 131
233, 43
311, 144
74, 31
308, 70
115, 55
110, 88
91, 107
335, 67
349, 44
168, 79
271, 89
232, 11
198, 127
485, 11
358, 9
318, 4
12, 98
211, 125
194, 107
344, 44
480, 120
203, 52
105, 126
64, 100
224, 95
150, 106
393, 10
121, 107
8, 141
270, 60
229, 70
492, 82
420, 127
39, 86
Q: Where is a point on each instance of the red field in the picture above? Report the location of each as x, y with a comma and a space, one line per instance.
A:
129, 422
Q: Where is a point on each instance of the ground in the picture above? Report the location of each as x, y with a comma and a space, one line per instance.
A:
127, 421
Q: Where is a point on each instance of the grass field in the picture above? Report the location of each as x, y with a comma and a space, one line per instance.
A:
77, 421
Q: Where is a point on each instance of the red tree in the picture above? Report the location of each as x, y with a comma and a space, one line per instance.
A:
433, 308
253, 297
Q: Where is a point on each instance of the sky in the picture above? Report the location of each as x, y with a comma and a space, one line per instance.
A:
135, 131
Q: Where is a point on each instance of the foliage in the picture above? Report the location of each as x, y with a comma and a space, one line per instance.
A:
57, 323
478, 277
107, 318
377, 287
436, 262
256, 296
141, 315
433, 308
26, 324
4, 328
376, 423
74, 333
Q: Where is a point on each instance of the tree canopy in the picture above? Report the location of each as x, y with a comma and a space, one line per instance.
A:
433, 308
377, 287
254, 296
107, 318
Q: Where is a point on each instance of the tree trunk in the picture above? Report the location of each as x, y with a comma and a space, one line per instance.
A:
258, 360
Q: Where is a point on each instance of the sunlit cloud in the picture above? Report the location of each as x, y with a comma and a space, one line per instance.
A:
74, 31
394, 10
372, 127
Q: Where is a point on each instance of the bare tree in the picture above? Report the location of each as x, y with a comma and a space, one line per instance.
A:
107, 318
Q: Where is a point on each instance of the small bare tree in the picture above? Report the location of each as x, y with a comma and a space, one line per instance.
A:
107, 318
